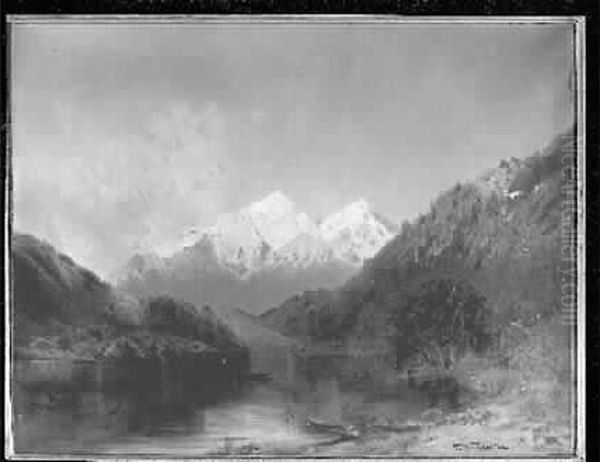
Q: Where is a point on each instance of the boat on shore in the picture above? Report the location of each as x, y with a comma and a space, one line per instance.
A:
261, 377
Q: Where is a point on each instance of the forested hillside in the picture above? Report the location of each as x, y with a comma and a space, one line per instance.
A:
478, 273
63, 310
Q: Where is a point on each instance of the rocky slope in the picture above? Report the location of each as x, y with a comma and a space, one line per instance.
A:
260, 255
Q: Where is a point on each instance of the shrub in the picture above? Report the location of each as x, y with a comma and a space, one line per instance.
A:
174, 317
441, 322
64, 342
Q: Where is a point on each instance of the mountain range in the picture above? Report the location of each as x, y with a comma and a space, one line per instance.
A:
257, 257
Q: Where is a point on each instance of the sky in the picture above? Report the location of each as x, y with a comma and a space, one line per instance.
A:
125, 135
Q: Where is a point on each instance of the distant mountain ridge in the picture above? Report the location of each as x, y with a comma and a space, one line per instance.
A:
258, 256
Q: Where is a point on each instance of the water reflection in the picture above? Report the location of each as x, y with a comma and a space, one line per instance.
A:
213, 417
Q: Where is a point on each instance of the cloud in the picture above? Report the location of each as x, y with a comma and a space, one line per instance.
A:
101, 194
121, 139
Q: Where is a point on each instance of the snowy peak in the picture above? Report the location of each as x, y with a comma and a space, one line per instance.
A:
238, 245
353, 214
271, 233
244, 241
359, 206
276, 220
356, 232
275, 204
260, 255
191, 236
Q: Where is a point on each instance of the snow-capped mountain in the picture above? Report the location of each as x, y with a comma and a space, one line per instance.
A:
277, 220
271, 232
245, 241
356, 232
267, 240
303, 251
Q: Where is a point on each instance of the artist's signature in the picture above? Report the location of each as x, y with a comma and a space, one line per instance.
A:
479, 445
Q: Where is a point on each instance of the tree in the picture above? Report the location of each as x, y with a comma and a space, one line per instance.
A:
439, 323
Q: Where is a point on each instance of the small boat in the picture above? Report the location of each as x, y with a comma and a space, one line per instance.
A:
347, 432
260, 377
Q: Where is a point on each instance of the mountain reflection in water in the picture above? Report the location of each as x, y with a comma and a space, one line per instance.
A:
268, 418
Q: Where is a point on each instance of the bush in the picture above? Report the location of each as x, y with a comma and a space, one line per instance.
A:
441, 322
64, 342
534, 369
484, 374
95, 333
169, 316
544, 356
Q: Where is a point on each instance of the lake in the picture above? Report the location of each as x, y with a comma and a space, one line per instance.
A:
255, 418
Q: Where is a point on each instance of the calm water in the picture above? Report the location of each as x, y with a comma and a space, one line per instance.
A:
265, 418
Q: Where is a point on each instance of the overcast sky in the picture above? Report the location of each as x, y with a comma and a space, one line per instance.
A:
125, 135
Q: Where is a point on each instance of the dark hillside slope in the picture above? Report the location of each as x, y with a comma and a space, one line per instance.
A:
61, 309
50, 289
500, 234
